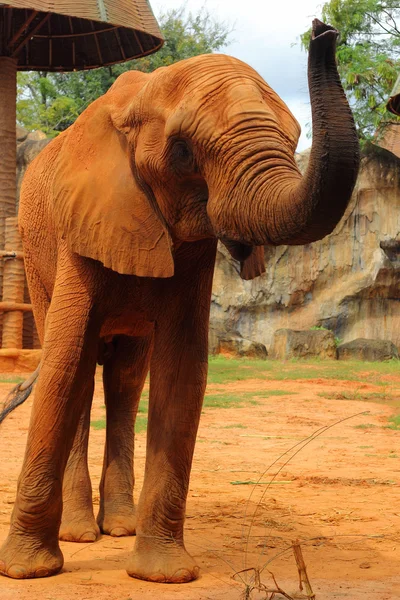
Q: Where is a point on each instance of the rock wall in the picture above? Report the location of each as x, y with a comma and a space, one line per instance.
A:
348, 282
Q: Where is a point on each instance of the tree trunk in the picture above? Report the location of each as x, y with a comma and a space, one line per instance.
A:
8, 92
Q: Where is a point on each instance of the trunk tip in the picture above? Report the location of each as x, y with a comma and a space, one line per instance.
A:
319, 28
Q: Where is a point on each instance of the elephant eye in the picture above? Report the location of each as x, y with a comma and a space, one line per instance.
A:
182, 154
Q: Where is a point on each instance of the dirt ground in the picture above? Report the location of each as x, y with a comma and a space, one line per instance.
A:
339, 495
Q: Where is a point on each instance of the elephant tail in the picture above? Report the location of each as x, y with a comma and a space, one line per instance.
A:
18, 395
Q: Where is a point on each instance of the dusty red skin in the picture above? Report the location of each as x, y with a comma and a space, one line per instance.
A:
119, 218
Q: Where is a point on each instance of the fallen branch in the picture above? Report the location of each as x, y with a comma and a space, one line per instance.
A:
270, 594
260, 586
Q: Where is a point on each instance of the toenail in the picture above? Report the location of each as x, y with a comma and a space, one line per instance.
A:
119, 532
42, 572
88, 537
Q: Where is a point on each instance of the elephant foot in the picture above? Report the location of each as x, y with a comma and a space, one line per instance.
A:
118, 524
168, 563
22, 557
81, 530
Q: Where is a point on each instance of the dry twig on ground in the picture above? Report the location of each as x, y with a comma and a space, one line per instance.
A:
257, 585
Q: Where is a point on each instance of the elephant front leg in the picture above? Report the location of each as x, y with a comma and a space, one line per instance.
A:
69, 359
124, 375
178, 374
78, 523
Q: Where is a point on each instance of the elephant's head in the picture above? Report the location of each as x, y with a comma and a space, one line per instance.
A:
199, 149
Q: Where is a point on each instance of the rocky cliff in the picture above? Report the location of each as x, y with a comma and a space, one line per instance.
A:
348, 282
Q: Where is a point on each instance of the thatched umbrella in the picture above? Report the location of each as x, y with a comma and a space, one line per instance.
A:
62, 35
393, 104
388, 133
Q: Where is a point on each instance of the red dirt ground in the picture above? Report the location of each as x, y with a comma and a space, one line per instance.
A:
339, 495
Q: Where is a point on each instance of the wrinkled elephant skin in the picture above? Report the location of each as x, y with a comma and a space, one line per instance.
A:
120, 217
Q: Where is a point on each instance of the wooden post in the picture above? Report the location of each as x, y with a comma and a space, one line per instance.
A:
13, 288
8, 185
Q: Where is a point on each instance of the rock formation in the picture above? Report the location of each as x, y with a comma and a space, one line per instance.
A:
309, 343
348, 282
371, 350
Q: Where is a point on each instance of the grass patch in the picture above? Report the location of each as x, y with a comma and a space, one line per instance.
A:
11, 379
141, 424
365, 426
238, 426
226, 401
357, 395
143, 406
267, 393
394, 423
238, 400
223, 370
99, 424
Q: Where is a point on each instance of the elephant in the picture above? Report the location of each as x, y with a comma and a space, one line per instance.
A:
120, 217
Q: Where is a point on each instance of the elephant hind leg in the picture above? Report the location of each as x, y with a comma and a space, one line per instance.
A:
124, 374
78, 523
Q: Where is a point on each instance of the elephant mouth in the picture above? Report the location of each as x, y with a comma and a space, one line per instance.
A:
237, 250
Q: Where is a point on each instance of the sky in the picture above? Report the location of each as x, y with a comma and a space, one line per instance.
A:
266, 36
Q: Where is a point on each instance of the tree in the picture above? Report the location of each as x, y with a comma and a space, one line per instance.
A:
52, 101
368, 56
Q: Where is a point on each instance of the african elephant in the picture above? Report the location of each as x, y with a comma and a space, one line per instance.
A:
120, 217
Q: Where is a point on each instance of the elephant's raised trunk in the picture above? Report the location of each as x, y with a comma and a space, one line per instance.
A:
286, 208
314, 207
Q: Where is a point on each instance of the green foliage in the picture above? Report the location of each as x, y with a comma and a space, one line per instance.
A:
52, 101
368, 55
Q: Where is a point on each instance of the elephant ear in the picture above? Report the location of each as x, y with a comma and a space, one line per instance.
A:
100, 209
254, 265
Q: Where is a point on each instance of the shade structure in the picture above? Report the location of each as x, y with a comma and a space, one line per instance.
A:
387, 135
64, 35
70, 35
393, 104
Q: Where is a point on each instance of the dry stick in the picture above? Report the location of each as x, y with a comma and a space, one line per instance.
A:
303, 577
305, 442
279, 589
261, 587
